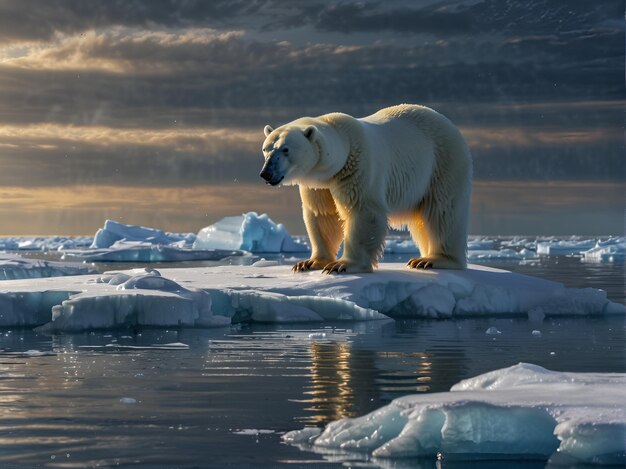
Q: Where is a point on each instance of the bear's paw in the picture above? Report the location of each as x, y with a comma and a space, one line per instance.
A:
311, 264
434, 262
343, 266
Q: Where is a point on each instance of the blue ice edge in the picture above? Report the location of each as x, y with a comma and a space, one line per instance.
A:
521, 412
219, 296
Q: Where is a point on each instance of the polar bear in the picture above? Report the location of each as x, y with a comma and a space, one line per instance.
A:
404, 166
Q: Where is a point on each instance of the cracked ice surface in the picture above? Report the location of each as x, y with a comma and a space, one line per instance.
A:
209, 296
520, 411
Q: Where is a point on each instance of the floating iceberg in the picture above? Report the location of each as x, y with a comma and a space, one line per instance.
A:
114, 231
524, 411
609, 251
117, 242
395, 245
248, 232
269, 293
564, 247
13, 266
498, 254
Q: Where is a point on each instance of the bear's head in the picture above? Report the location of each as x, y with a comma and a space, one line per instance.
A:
290, 153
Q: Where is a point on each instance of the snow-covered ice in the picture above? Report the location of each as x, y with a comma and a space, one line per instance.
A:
248, 232
13, 266
211, 296
523, 411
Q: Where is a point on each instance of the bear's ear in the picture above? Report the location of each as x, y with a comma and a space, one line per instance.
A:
309, 132
267, 130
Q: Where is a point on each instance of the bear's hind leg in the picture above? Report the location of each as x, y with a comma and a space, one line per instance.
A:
441, 239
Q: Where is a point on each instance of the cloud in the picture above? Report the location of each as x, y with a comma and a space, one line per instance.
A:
41, 20
132, 77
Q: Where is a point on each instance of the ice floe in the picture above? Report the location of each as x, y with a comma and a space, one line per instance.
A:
598, 249
214, 296
13, 266
248, 232
607, 251
523, 411
44, 243
141, 251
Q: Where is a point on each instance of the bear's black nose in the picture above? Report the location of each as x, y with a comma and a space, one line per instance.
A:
266, 174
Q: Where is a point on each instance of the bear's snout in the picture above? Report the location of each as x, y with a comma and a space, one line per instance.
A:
266, 174
272, 178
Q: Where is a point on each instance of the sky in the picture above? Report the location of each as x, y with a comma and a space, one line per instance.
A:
151, 112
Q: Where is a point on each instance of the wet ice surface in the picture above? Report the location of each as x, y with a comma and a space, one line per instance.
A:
191, 397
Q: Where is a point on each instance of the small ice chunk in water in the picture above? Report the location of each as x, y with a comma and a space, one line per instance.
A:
128, 400
253, 432
492, 331
304, 436
536, 333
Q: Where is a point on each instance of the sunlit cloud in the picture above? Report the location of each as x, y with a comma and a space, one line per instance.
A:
118, 50
212, 141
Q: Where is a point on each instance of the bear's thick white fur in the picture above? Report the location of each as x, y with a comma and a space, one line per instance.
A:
404, 166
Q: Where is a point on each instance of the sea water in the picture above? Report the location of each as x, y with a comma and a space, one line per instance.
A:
222, 397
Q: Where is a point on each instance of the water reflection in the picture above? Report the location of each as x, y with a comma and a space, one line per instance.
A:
347, 379
341, 382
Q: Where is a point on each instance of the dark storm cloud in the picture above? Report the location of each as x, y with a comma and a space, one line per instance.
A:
529, 17
39, 20
132, 77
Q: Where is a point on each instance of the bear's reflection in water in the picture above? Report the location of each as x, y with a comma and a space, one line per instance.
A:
348, 382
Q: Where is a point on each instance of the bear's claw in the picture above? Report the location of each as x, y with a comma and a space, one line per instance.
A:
420, 263
309, 264
337, 267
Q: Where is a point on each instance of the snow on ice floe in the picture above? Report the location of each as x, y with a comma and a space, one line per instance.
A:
13, 266
523, 411
216, 296
248, 232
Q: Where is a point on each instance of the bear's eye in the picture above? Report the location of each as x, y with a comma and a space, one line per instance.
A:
286, 150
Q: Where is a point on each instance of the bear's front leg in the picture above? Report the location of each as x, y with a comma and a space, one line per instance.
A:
364, 236
323, 227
